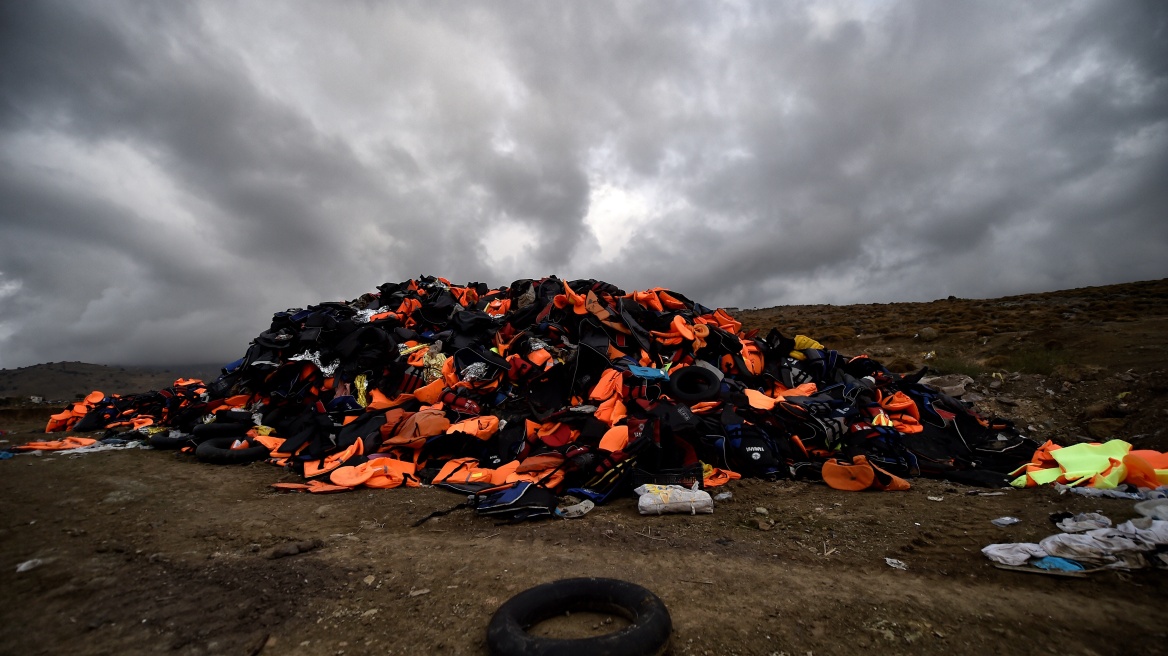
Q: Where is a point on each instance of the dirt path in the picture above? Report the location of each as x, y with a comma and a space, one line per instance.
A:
150, 551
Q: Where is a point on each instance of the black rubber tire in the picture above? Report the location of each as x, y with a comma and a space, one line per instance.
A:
218, 451
163, 441
204, 432
694, 384
648, 634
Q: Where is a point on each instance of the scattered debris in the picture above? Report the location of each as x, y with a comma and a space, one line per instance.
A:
29, 565
294, 548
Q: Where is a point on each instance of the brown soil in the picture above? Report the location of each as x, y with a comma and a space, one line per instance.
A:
148, 552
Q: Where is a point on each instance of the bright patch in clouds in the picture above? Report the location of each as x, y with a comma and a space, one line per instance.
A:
170, 177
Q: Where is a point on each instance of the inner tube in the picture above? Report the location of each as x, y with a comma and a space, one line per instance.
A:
165, 441
204, 432
694, 384
218, 451
648, 633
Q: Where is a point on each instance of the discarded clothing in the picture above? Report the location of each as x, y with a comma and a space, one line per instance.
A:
1056, 564
1154, 508
1102, 466
1122, 492
1014, 554
661, 499
565, 385
1083, 522
57, 445
104, 445
1122, 546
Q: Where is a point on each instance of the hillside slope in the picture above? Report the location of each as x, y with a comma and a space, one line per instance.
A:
64, 381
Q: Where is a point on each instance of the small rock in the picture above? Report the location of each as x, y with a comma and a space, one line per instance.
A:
1103, 429
761, 511
996, 361
953, 384
1005, 400
294, 548
418, 593
369, 579
29, 565
995, 384
1097, 410
902, 365
896, 564
764, 524
1068, 373
928, 334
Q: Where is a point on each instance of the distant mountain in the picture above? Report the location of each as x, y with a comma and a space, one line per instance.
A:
65, 381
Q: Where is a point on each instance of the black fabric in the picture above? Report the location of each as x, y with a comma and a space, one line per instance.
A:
338, 352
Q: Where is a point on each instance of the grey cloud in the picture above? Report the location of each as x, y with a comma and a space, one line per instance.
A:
272, 156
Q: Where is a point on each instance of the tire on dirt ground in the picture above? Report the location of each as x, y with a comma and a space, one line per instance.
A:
218, 451
163, 441
648, 633
204, 432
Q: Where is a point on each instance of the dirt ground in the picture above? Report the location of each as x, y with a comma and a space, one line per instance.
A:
146, 551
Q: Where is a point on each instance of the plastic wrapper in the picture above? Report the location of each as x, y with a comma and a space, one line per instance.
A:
661, 499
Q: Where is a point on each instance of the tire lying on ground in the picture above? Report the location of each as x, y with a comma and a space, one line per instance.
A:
165, 441
648, 633
204, 432
694, 384
218, 451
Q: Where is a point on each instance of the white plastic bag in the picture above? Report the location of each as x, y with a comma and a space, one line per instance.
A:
660, 499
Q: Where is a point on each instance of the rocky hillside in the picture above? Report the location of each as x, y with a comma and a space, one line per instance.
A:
1073, 365
59, 382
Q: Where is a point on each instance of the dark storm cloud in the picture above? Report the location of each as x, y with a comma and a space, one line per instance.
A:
170, 174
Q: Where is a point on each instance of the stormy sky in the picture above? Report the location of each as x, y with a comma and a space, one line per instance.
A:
172, 173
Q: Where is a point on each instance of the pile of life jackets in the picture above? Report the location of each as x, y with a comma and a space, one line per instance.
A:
562, 385
1104, 466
